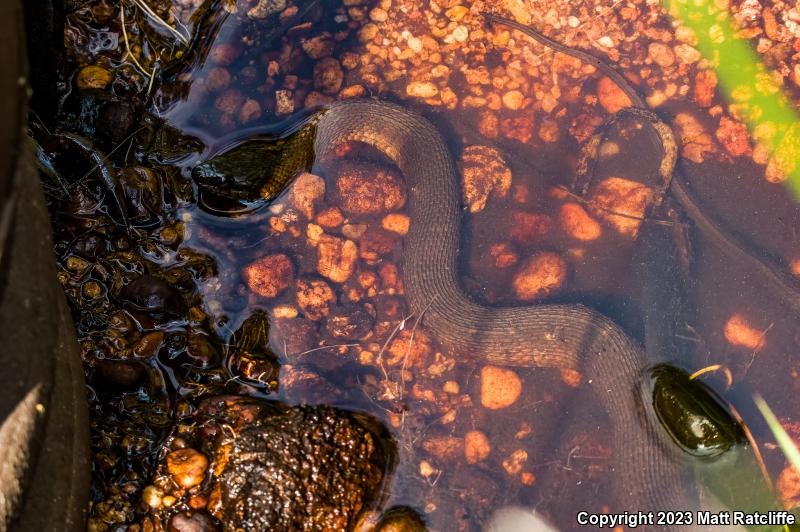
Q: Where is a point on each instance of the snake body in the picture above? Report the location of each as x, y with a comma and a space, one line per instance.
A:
545, 335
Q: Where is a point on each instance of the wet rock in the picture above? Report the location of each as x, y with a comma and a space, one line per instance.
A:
191, 522
307, 191
739, 332
788, 486
302, 468
578, 224
350, 322
401, 519
150, 294
293, 335
217, 79
528, 228
410, 348
270, 275
444, 448
485, 172
201, 350
610, 96
622, 203
336, 258
328, 75
705, 83
225, 54
476, 446
514, 463
250, 111
422, 89
376, 242
513, 100
396, 223
660, 54
119, 374
369, 189
315, 298
733, 136
318, 46
504, 255
148, 344
265, 8
93, 77
539, 276
187, 467
500, 387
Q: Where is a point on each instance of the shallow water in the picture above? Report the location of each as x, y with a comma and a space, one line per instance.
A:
459, 460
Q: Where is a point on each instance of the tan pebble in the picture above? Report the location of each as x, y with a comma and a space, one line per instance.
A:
250, 111
375, 243
705, 84
622, 203
378, 15
739, 332
519, 11
354, 231
504, 255
328, 75
330, 217
539, 276
794, 267
456, 13
788, 486
426, 470
570, 377
284, 104
548, 130
484, 173
733, 136
410, 349
396, 223
415, 44
187, 467
688, 54
661, 54
151, 496
336, 258
513, 100
313, 234
444, 447
578, 224
315, 298
610, 96
476, 446
307, 190
353, 91
93, 77
367, 32
606, 41
694, 140
318, 46
460, 34
369, 189
450, 387
515, 462
421, 89
284, 311
500, 387
269, 275
168, 501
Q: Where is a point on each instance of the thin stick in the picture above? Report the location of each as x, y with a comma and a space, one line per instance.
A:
127, 43
152, 14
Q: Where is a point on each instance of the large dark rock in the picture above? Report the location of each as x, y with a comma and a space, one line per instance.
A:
299, 468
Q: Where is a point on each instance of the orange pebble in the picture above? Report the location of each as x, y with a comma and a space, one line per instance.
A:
476, 446
500, 387
739, 332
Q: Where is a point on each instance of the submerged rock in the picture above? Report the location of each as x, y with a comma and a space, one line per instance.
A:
301, 468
